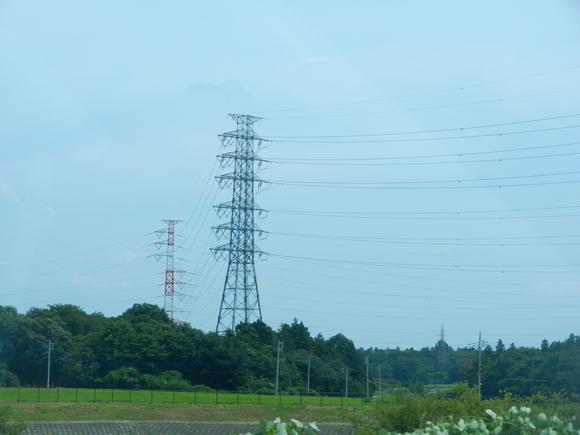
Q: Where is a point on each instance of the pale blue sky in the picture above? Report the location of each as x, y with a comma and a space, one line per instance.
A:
109, 119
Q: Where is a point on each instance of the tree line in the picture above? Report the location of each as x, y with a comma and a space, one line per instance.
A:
143, 348
552, 368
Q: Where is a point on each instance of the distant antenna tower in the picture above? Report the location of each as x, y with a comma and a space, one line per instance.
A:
442, 354
170, 272
240, 299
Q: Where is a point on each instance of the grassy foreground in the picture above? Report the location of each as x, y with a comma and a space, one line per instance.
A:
28, 412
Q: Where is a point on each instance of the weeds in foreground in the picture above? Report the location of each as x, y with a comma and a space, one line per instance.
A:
415, 413
7, 425
277, 427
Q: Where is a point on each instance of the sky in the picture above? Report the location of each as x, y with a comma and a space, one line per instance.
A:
424, 161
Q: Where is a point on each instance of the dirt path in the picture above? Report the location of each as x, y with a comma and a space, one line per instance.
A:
160, 428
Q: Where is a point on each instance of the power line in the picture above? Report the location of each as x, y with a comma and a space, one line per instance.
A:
421, 184
470, 295
76, 255
420, 94
444, 130
75, 266
430, 213
429, 156
496, 268
330, 185
22, 290
382, 272
501, 214
417, 109
497, 305
428, 163
450, 241
505, 133
416, 316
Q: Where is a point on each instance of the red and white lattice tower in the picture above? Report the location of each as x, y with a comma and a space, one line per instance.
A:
170, 272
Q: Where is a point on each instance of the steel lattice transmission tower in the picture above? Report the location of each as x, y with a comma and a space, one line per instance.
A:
240, 299
170, 272
442, 354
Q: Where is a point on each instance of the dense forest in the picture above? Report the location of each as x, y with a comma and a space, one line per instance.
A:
142, 348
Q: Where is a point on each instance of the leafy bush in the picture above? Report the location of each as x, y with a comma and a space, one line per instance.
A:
295, 391
124, 377
436, 415
129, 377
7, 378
202, 389
417, 388
8, 427
277, 427
556, 403
516, 421
412, 412
168, 380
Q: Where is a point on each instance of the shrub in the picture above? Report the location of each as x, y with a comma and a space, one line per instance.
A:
412, 412
295, 391
277, 427
168, 380
202, 389
124, 377
7, 378
7, 426
466, 414
516, 421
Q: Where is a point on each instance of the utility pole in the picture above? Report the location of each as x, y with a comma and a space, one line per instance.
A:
280, 349
367, 363
380, 393
479, 368
240, 299
308, 382
50, 348
346, 387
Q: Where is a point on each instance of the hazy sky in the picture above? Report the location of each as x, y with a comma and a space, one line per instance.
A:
425, 160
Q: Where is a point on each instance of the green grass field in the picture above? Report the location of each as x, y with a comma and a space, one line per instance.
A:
80, 395
101, 411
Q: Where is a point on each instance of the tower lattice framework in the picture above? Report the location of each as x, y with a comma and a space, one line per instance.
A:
240, 299
170, 281
442, 354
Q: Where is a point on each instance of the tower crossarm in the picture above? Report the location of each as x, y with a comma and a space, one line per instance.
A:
226, 229
229, 159
233, 176
227, 207
229, 139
